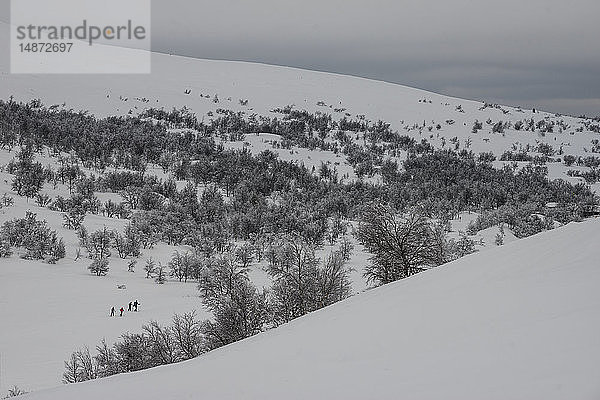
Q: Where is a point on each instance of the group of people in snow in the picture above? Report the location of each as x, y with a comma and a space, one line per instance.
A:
133, 306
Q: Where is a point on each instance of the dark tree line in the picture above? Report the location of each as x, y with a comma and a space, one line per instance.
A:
444, 182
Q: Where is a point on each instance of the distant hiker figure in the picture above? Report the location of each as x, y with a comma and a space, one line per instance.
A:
129, 306
122, 309
112, 312
135, 305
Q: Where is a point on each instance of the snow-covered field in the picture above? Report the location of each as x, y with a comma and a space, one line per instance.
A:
517, 322
50, 310
47, 311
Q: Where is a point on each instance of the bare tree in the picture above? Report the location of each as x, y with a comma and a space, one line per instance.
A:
72, 367
14, 392
150, 268
161, 276
333, 280
188, 335
163, 345
402, 245
99, 266
238, 315
80, 367
293, 266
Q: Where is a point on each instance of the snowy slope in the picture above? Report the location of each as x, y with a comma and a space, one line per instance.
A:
48, 311
517, 322
410, 111
52, 310
267, 87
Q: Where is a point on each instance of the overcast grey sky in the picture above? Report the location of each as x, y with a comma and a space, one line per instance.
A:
533, 53
542, 53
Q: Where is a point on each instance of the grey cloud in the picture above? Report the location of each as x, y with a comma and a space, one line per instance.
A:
522, 53
543, 53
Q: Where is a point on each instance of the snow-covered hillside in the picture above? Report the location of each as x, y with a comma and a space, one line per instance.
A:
513, 321
47, 310
517, 322
179, 81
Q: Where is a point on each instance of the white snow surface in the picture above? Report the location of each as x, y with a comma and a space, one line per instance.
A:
519, 321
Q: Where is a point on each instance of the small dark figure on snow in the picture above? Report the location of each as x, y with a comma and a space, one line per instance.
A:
122, 309
135, 305
112, 312
129, 306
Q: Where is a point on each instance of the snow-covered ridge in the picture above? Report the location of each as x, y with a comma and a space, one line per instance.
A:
178, 81
516, 322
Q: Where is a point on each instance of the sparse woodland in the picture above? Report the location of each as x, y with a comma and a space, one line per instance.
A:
236, 208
